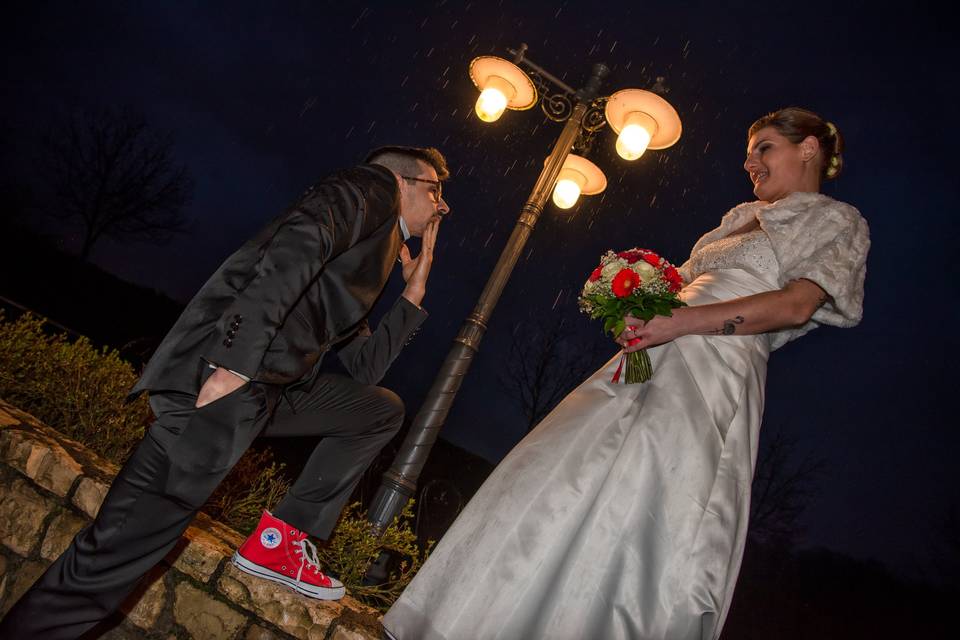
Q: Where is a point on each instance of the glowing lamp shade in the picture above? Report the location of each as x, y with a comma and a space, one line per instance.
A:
635, 136
491, 104
643, 121
503, 85
578, 176
568, 188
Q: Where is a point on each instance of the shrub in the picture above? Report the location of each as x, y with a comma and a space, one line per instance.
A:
71, 386
354, 547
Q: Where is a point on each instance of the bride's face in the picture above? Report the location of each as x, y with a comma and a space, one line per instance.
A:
778, 167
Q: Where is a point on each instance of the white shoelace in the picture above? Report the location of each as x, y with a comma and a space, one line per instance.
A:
309, 551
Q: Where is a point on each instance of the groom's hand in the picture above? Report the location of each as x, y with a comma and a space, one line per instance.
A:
417, 270
220, 383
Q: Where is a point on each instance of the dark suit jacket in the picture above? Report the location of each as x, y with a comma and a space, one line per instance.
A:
306, 282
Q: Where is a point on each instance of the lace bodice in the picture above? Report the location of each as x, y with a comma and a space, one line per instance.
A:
750, 251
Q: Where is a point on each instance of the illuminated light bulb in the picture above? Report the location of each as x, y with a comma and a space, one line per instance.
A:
638, 130
566, 193
491, 104
495, 97
632, 141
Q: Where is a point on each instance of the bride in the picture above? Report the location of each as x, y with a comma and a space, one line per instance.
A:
624, 513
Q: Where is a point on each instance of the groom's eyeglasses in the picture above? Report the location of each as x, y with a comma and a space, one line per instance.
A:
437, 190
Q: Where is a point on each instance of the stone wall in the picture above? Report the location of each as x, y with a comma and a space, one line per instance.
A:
51, 487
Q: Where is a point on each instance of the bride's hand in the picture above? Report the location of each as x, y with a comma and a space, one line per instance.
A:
657, 330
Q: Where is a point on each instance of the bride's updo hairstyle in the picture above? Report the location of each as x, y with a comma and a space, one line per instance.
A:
795, 124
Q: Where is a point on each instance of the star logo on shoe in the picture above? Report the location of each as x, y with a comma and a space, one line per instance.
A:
270, 538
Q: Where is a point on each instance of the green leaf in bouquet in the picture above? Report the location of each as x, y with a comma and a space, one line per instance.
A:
616, 313
642, 313
619, 327
609, 323
661, 308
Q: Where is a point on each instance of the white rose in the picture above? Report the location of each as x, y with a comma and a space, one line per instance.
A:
610, 270
646, 270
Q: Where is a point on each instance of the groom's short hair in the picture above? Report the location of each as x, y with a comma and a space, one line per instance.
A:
403, 160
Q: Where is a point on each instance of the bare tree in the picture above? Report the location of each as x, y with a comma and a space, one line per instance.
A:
114, 176
783, 486
545, 363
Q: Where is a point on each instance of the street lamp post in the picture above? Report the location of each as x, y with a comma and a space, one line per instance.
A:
504, 85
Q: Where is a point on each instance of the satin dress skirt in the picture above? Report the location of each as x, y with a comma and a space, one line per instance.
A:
623, 514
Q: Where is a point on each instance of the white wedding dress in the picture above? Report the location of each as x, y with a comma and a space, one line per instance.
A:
623, 514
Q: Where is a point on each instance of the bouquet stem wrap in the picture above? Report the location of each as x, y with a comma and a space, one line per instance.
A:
638, 364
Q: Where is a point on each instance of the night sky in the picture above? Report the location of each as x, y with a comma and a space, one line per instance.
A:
263, 100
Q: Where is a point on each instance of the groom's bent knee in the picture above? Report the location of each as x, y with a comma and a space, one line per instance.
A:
390, 409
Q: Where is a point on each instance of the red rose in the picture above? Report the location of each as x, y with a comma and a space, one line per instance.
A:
630, 256
653, 259
625, 282
596, 274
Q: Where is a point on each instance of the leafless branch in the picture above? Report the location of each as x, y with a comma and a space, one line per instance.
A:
115, 176
784, 483
545, 363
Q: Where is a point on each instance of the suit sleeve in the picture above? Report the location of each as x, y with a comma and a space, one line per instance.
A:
368, 356
330, 218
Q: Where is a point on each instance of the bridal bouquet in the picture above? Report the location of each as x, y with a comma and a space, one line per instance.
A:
635, 282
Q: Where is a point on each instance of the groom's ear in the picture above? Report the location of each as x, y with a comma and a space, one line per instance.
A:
404, 188
402, 184
400, 181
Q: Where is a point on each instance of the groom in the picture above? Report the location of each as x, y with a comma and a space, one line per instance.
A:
244, 359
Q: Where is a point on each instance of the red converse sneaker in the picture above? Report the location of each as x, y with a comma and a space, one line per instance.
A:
279, 552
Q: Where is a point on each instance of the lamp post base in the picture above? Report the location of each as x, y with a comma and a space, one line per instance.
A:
394, 492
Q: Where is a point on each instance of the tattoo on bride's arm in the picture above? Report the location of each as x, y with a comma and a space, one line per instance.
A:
729, 327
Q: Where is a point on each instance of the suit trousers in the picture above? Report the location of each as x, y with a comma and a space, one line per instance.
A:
156, 495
